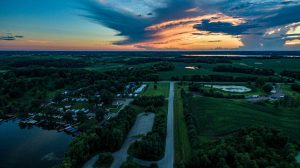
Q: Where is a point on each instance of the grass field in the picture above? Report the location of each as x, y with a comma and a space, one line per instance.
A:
218, 117
161, 90
207, 69
182, 144
276, 64
288, 91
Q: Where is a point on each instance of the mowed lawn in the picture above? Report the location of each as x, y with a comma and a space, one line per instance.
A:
161, 90
219, 117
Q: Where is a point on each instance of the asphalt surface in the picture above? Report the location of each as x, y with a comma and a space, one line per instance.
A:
273, 96
142, 126
168, 159
91, 162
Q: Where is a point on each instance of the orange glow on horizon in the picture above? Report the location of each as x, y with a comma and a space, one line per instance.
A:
181, 34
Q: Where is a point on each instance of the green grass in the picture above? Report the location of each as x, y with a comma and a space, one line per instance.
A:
276, 64
219, 117
182, 143
287, 90
161, 90
207, 69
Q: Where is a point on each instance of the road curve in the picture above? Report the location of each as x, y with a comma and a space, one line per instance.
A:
142, 126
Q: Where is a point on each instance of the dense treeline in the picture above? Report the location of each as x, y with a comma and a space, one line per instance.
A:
188, 116
146, 101
108, 138
296, 87
133, 74
185, 59
226, 78
247, 148
57, 63
292, 74
254, 71
163, 66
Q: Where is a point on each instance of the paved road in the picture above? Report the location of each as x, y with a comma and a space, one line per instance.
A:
168, 160
273, 96
91, 162
142, 126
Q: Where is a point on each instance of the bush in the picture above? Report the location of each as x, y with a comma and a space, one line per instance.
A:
296, 87
267, 88
104, 161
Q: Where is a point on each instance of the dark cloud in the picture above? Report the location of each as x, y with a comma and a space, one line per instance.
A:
10, 37
130, 25
260, 16
223, 27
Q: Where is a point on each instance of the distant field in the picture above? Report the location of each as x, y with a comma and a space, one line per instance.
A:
276, 64
105, 67
161, 90
218, 117
288, 91
206, 69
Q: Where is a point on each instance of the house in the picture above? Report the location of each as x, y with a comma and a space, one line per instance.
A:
140, 89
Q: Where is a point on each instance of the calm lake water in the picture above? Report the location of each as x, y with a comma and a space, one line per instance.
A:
31, 147
298, 157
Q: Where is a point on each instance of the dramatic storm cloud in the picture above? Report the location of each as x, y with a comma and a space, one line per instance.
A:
248, 21
150, 24
10, 37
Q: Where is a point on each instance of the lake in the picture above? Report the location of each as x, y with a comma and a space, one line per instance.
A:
31, 147
298, 157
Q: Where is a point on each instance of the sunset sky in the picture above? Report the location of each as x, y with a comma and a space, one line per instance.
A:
149, 24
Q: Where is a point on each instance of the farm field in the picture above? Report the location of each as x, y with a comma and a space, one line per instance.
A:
219, 117
276, 64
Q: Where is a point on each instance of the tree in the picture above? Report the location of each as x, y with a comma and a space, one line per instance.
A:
81, 117
100, 112
68, 117
107, 97
267, 88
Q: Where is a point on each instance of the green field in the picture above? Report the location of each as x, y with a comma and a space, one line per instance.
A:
182, 144
218, 117
276, 64
161, 90
207, 69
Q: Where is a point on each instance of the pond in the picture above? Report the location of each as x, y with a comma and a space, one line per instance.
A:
298, 158
231, 88
31, 147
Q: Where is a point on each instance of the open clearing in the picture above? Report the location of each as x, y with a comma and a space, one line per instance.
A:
161, 90
218, 117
